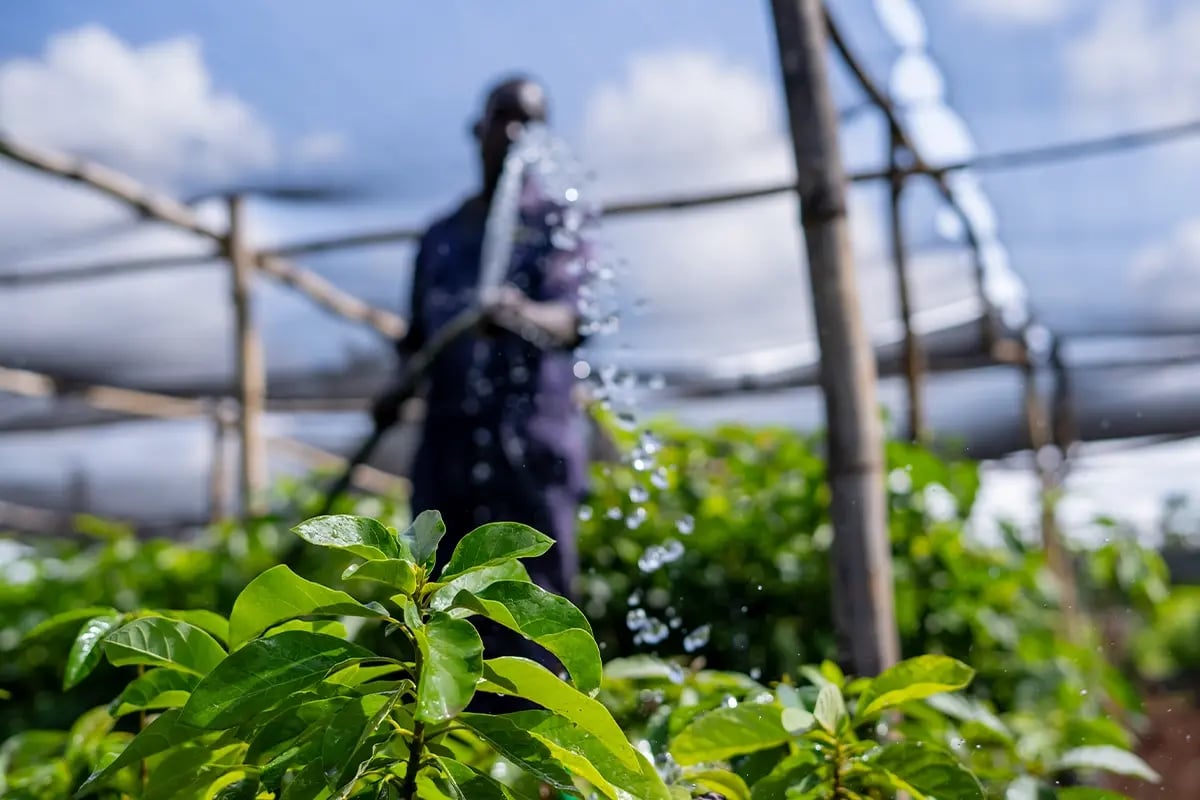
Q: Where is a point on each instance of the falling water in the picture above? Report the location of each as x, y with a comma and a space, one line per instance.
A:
539, 156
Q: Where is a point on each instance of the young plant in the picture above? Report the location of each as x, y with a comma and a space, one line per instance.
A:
277, 701
838, 738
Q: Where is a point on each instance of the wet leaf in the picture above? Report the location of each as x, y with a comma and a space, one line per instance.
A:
279, 595
161, 642
85, 652
491, 544
451, 664
914, 679
727, 732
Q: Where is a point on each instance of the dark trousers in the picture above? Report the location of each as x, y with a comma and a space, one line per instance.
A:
510, 495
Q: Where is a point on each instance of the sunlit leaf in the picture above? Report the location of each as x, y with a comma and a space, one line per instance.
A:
727, 732
547, 619
470, 783
358, 535
519, 746
264, 672
474, 580
728, 784
914, 679
1106, 758
161, 642
85, 652
347, 735
451, 664
490, 544
159, 689
279, 595
929, 770
521, 677
830, 708
394, 572
208, 621
424, 535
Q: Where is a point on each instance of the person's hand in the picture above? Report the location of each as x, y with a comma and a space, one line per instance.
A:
503, 307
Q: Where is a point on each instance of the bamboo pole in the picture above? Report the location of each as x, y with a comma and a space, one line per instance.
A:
914, 362
251, 372
864, 616
1047, 464
218, 481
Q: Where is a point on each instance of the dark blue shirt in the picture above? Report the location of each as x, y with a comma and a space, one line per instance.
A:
498, 407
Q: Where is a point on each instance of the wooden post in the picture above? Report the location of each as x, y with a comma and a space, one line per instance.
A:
1048, 465
218, 481
251, 377
913, 357
864, 615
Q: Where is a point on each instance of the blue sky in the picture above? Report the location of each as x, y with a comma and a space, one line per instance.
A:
657, 97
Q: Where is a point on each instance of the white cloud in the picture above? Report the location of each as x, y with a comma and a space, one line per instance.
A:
1167, 273
1136, 66
152, 109
729, 278
1019, 12
319, 148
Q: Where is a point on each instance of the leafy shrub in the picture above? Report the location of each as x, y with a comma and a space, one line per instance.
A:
277, 700
752, 563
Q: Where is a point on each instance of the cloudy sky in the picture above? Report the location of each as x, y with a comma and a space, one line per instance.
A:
673, 96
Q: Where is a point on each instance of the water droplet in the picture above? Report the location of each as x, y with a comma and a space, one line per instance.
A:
1083, 692
660, 479
582, 369
481, 472
635, 518
635, 620
653, 631
756, 673
585, 513
672, 550
686, 524
640, 464
614, 513
638, 494
635, 599
697, 638
676, 623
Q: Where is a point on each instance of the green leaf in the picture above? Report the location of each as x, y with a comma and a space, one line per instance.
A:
796, 720
358, 535
830, 709
451, 665
1088, 793
279, 595
591, 759
490, 544
210, 622
786, 774
424, 534
67, 619
929, 770
85, 652
264, 672
969, 710
1108, 759
394, 572
723, 782
161, 642
158, 688
519, 746
291, 722
473, 580
187, 772
519, 677
726, 732
472, 784
914, 679
307, 784
329, 627
87, 734
166, 731
344, 740
547, 619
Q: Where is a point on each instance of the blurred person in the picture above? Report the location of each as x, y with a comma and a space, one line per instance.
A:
503, 438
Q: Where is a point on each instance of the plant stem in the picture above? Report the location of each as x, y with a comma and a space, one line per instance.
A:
409, 792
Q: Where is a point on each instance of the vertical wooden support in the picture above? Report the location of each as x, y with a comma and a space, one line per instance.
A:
864, 615
914, 364
1048, 464
218, 481
251, 375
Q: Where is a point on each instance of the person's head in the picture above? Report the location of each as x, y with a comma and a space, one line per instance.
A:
509, 104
